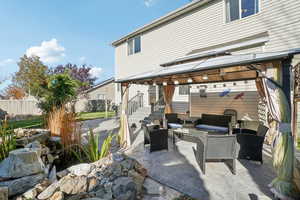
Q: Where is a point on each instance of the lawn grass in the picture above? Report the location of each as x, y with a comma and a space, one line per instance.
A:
32, 122
38, 121
94, 115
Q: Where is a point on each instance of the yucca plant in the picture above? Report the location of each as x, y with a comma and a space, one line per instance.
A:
7, 140
91, 151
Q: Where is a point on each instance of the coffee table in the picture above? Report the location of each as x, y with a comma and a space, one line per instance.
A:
188, 134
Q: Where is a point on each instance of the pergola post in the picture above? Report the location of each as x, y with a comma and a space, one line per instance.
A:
283, 153
124, 132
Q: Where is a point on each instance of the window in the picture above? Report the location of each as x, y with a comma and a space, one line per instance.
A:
101, 96
237, 9
184, 90
134, 45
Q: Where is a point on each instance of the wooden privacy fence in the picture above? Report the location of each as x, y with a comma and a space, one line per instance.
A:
20, 107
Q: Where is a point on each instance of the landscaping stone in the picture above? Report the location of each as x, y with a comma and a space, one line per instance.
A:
127, 164
124, 188
79, 196
138, 179
92, 183
3, 193
40, 135
62, 173
153, 188
81, 169
20, 163
73, 185
57, 196
34, 145
30, 194
21, 185
42, 186
52, 175
49, 191
107, 179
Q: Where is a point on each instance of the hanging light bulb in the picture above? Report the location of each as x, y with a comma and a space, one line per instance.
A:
176, 82
190, 80
165, 83
205, 77
154, 83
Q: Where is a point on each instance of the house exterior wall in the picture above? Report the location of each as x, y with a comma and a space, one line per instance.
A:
108, 90
205, 27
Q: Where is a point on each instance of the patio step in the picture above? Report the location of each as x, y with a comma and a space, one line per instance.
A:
140, 114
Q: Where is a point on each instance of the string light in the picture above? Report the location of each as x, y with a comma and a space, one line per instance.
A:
205, 77
176, 82
165, 83
154, 84
190, 80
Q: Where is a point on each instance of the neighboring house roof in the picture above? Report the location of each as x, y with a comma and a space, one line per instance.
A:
101, 84
212, 63
170, 16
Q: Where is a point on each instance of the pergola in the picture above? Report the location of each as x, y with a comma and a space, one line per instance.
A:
274, 80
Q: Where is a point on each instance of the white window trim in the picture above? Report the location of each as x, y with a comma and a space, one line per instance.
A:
133, 41
240, 11
189, 90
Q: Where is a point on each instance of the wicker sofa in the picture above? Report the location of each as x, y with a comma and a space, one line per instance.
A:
214, 123
173, 121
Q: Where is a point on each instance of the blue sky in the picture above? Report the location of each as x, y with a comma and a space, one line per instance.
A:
76, 31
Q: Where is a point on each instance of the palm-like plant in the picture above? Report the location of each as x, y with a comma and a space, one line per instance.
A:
92, 152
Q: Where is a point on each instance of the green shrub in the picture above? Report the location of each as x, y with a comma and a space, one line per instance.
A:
7, 140
92, 152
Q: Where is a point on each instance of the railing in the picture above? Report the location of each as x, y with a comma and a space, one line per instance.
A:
159, 105
135, 103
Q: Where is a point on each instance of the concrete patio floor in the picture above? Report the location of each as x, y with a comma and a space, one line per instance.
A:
178, 169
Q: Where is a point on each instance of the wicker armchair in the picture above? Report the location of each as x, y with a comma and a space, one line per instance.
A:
216, 147
156, 137
250, 143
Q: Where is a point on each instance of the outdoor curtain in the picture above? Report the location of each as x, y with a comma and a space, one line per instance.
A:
283, 153
124, 132
168, 96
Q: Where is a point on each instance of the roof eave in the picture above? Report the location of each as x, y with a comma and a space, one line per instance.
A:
254, 61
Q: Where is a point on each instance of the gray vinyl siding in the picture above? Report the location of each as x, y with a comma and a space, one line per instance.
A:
205, 27
213, 104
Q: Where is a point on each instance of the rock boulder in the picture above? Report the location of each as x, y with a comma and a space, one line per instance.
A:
21, 185
21, 163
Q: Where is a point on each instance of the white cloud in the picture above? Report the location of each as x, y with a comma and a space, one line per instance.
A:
6, 62
49, 51
149, 3
95, 72
82, 59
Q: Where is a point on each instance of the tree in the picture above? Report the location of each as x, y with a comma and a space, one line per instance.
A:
14, 92
79, 73
60, 90
32, 76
